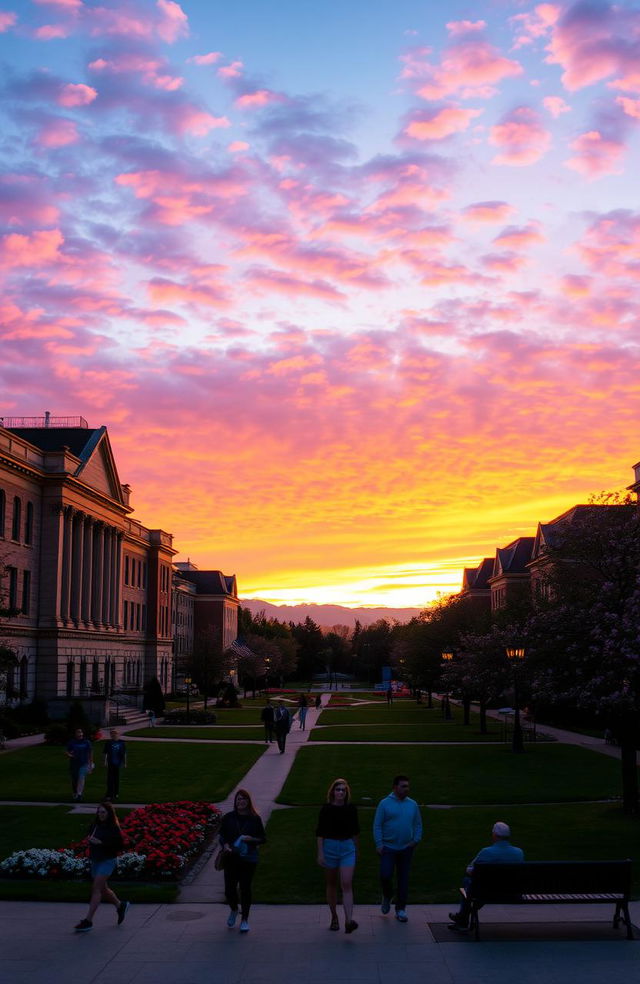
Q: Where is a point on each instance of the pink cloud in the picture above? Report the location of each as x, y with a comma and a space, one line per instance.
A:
630, 106
575, 286
556, 106
232, 71
611, 245
50, 32
76, 95
470, 67
173, 22
283, 283
534, 24
63, 4
238, 146
596, 156
521, 138
514, 238
25, 200
488, 212
7, 20
152, 71
163, 291
259, 98
456, 28
17, 250
197, 122
441, 124
58, 133
594, 41
503, 262
209, 59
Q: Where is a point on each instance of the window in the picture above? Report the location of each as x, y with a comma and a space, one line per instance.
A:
26, 592
28, 526
13, 587
69, 679
126, 571
83, 676
3, 509
125, 609
95, 676
17, 518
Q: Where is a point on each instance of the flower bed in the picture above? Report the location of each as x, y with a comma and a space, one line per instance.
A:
162, 839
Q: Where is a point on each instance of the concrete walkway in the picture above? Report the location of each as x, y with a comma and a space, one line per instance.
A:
264, 780
190, 944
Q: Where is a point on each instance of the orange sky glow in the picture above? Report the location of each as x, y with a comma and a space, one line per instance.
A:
351, 321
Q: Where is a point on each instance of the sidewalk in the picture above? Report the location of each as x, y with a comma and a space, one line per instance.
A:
190, 944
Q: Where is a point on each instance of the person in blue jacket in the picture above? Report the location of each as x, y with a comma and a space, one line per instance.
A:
501, 851
397, 828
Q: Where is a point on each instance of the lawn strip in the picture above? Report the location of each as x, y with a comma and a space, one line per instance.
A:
157, 772
402, 732
455, 774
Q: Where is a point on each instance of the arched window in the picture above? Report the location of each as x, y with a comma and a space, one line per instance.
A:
3, 509
28, 526
17, 518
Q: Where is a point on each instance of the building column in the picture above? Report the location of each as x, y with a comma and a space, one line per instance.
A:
98, 572
65, 598
76, 567
87, 570
117, 573
106, 579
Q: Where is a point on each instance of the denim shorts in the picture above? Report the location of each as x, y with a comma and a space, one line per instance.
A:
338, 853
103, 867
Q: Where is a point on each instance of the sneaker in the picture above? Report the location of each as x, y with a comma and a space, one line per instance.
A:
458, 921
402, 916
351, 926
385, 907
231, 918
122, 911
84, 926
244, 926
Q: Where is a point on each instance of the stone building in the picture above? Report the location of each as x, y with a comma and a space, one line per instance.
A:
88, 586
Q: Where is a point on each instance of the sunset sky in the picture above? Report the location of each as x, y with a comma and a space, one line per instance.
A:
353, 285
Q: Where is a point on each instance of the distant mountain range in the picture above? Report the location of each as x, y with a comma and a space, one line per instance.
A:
327, 615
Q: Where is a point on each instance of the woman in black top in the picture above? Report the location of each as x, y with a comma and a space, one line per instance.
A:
337, 837
105, 843
240, 833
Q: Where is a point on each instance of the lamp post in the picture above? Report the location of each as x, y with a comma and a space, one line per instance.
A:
515, 655
267, 664
446, 706
187, 680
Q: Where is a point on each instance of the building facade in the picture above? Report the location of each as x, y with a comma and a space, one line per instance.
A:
89, 589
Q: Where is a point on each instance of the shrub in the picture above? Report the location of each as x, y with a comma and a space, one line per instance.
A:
56, 734
179, 716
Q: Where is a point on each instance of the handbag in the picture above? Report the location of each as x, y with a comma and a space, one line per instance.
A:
220, 859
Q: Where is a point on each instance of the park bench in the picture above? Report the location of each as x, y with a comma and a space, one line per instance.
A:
552, 883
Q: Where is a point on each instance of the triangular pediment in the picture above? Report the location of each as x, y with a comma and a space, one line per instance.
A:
98, 468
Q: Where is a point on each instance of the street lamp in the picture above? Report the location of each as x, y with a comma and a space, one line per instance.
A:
267, 664
187, 680
446, 706
515, 655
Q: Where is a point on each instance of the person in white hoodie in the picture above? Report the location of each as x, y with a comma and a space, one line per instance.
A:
397, 828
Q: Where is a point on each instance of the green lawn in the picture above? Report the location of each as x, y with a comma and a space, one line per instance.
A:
451, 839
157, 772
455, 774
379, 713
440, 731
207, 732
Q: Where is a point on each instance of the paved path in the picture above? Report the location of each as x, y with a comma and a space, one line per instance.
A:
190, 944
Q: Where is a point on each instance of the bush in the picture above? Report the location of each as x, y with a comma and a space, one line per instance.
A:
8, 727
56, 734
179, 716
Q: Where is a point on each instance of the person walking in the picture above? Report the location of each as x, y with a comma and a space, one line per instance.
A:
303, 704
105, 843
318, 701
79, 751
267, 716
397, 829
337, 835
115, 758
501, 851
282, 725
241, 832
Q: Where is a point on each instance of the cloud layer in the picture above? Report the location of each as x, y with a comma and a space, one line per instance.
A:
326, 337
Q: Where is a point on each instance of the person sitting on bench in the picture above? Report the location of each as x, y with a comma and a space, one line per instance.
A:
500, 852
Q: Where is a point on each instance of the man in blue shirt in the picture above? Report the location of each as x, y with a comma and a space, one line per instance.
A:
397, 828
115, 758
501, 851
80, 754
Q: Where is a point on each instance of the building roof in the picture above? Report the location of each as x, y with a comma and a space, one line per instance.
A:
550, 535
513, 558
80, 440
477, 578
212, 582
